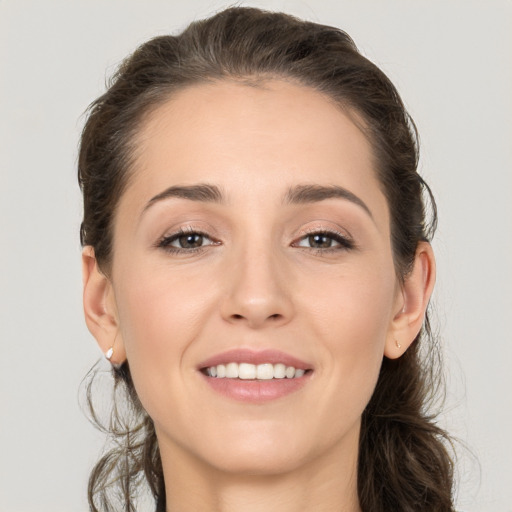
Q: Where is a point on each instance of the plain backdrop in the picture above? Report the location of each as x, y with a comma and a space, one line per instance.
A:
451, 61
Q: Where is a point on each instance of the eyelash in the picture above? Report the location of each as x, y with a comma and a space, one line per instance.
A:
344, 242
165, 242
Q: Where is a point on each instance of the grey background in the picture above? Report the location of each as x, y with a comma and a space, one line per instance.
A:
451, 61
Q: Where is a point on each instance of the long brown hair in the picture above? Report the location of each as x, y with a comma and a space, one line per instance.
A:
404, 460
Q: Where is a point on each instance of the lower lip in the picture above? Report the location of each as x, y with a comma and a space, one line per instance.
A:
256, 391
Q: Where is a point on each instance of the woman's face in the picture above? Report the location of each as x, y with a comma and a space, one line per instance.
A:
253, 230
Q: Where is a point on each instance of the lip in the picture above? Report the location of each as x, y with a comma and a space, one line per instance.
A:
244, 355
255, 391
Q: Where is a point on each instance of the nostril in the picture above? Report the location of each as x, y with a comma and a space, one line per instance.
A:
256, 317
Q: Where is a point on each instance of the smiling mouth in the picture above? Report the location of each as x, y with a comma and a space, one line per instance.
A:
248, 371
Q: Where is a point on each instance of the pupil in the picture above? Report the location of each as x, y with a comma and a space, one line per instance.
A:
321, 241
191, 241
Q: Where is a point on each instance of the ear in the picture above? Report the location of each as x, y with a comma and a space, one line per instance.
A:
100, 308
411, 303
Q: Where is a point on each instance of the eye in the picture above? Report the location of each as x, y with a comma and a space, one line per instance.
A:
189, 241
317, 241
185, 241
325, 240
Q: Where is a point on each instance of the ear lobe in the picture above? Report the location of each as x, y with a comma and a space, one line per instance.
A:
412, 302
100, 308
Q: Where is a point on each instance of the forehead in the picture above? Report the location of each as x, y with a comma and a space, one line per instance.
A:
252, 141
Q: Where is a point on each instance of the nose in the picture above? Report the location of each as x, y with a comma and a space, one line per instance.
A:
258, 290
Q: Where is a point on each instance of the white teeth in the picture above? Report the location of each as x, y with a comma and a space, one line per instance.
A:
265, 371
290, 372
279, 371
232, 371
247, 371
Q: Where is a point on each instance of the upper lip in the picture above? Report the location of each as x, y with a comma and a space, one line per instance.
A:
244, 355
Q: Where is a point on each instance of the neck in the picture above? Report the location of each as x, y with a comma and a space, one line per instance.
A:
327, 484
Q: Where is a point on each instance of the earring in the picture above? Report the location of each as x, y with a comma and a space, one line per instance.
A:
109, 353
398, 344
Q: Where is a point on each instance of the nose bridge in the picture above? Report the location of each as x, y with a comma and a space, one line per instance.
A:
257, 291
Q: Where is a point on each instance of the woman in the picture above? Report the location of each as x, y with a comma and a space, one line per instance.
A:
257, 269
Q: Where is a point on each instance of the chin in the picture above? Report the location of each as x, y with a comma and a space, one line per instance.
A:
258, 451
258, 464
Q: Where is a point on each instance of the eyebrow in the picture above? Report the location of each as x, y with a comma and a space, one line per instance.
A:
201, 192
299, 194
303, 194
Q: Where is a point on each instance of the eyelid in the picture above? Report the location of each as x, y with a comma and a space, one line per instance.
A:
322, 228
186, 228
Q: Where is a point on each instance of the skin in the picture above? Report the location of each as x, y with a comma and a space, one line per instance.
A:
258, 282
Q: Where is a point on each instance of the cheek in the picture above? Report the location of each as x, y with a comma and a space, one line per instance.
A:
352, 316
160, 315
156, 306
353, 306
